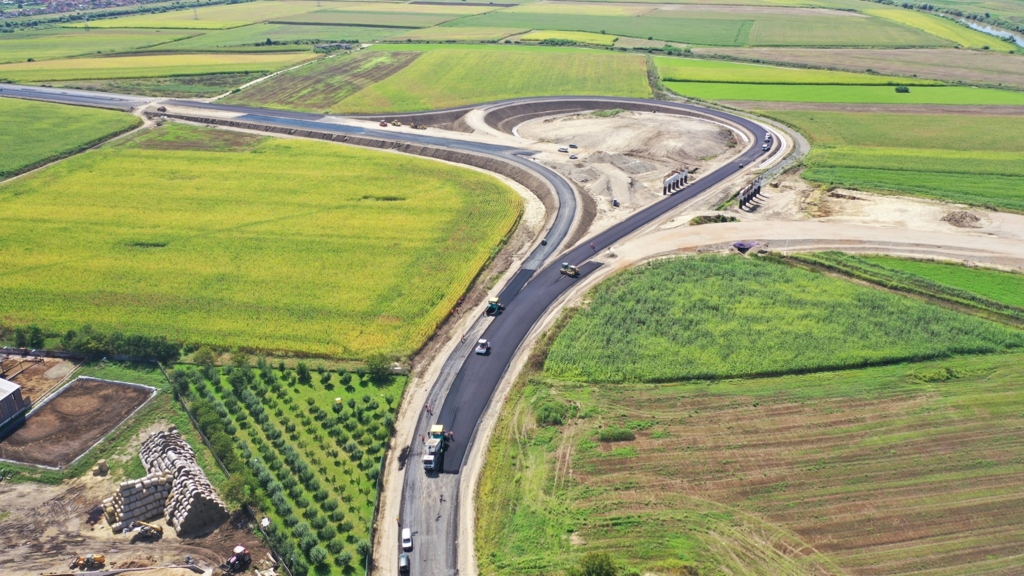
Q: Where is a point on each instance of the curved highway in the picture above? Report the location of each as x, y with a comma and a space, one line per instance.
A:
462, 393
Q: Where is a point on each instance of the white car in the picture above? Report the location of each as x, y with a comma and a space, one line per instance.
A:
483, 347
406, 539
563, 149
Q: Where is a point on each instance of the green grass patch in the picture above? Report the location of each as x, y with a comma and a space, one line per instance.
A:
915, 154
34, 133
312, 441
268, 243
50, 43
955, 95
578, 37
704, 489
446, 76
694, 70
719, 316
382, 19
1004, 287
148, 66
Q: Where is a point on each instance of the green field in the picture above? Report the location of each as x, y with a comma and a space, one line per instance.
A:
953, 95
219, 17
715, 26
383, 19
910, 468
149, 66
445, 76
694, 70
578, 37
465, 34
284, 37
718, 317
1004, 287
235, 240
46, 44
34, 133
321, 86
311, 444
202, 86
914, 153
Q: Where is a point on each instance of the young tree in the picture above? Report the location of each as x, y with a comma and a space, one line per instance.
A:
378, 366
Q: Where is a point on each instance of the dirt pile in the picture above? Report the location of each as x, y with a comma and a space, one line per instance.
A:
962, 219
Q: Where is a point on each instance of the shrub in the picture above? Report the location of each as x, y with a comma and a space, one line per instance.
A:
290, 520
343, 559
552, 413
335, 546
306, 543
318, 522
364, 548
337, 515
327, 532
594, 564
317, 555
615, 434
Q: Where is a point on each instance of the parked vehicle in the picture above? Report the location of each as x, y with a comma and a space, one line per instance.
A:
406, 539
403, 563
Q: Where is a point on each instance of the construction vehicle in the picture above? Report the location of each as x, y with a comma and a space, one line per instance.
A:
570, 270
147, 530
483, 347
494, 307
396, 123
239, 561
435, 446
89, 562
416, 126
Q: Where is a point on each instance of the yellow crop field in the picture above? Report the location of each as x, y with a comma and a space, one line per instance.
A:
149, 66
578, 37
217, 17
941, 27
463, 34
404, 8
236, 240
697, 70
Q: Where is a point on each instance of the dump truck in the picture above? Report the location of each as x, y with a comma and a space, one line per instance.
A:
435, 446
494, 307
89, 562
570, 270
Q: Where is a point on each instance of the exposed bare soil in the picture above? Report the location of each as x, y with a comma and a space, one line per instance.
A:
37, 376
43, 527
939, 64
626, 157
72, 421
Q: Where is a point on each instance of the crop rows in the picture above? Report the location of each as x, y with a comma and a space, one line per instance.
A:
717, 317
311, 442
148, 66
695, 70
895, 279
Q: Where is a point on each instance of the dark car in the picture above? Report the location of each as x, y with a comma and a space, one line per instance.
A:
403, 563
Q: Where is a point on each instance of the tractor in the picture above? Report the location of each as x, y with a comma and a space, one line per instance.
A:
494, 307
239, 561
90, 562
570, 270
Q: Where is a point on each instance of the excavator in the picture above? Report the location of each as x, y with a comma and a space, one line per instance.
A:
570, 270
89, 562
147, 530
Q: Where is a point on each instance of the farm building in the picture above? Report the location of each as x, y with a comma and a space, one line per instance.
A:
11, 403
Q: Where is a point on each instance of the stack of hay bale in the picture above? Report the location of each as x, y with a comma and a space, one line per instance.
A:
141, 500
178, 488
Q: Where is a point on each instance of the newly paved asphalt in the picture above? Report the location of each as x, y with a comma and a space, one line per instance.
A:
467, 381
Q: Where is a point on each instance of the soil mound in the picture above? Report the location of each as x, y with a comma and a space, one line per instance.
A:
962, 219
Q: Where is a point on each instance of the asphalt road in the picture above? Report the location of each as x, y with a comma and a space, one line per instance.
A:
467, 381
76, 97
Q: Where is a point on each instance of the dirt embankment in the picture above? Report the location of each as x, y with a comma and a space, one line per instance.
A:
626, 156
